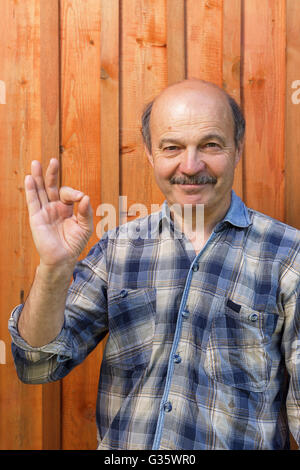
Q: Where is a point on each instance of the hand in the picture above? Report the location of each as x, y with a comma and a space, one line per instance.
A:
59, 235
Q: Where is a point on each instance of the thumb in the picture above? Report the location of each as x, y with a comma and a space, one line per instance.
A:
85, 213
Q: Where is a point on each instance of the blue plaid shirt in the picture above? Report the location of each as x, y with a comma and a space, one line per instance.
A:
198, 346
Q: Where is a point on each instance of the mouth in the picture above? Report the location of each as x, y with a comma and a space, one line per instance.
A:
192, 185
193, 188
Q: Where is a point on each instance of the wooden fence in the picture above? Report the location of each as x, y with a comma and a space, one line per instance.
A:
74, 78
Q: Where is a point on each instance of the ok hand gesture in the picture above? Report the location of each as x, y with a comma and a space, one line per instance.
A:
59, 235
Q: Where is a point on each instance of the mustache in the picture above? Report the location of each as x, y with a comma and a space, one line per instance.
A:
197, 179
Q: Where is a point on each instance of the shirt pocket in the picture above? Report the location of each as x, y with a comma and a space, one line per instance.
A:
131, 318
237, 349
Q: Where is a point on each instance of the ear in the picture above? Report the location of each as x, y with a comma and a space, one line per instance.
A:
239, 152
149, 156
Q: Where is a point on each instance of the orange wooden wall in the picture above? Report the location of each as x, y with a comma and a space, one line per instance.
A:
74, 78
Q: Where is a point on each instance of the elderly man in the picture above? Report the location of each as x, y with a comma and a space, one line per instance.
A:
202, 329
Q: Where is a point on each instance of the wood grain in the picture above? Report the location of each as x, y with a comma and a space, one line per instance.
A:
176, 38
292, 135
20, 135
80, 159
49, 73
232, 67
109, 89
204, 40
143, 76
264, 75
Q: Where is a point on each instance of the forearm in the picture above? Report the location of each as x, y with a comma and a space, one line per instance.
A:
42, 316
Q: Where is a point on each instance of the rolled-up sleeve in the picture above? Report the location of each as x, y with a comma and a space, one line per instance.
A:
85, 325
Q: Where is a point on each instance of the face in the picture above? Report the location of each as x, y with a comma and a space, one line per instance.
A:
193, 149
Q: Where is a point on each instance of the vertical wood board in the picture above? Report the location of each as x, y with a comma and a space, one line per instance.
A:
20, 136
80, 159
143, 76
264, 104
292, 135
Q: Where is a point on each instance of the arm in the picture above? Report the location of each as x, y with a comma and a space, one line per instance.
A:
59, 237
85, 324
43, 313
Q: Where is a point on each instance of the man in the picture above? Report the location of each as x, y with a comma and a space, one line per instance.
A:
201, 328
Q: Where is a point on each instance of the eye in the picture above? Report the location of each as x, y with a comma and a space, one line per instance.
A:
211, 147
212, 144
171, 147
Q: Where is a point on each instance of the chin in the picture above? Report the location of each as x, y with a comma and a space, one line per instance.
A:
194, 199
191, 201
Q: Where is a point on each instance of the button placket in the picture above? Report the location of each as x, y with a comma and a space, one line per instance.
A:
183, 315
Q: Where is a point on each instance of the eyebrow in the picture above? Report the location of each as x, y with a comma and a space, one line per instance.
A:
205, 137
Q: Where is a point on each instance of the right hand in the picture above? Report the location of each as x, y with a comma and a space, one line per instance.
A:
59, 235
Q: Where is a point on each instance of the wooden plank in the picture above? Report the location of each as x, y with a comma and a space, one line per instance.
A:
20, 136
232, 67
49, 73
109, 131
143, 76
204, 40
176, 40
80, 145
292, 136
264, 75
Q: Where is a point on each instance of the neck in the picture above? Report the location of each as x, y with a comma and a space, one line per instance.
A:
198, 222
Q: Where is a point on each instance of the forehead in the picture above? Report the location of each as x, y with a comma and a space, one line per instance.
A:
190, 110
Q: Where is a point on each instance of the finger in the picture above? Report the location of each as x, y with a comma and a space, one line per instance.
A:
37, 174
85, 213
51, 180
32, 199
69, 195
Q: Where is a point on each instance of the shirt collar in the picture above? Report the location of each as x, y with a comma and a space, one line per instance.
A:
237, 214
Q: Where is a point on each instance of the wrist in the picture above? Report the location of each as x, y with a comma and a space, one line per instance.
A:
56, 273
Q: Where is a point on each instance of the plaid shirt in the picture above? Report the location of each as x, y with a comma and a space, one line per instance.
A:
198, 345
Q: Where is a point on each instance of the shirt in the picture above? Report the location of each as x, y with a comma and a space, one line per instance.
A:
198, 345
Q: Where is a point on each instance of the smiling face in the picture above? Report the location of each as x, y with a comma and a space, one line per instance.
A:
193, 148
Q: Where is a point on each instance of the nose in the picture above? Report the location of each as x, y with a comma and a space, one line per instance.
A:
191, 162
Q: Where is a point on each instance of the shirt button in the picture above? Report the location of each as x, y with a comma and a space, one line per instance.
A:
123, 293
185, 313
177, 359
195, 267
253, 317
167, 407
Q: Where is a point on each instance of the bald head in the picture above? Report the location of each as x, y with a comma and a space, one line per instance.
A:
182, 96
191, 87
